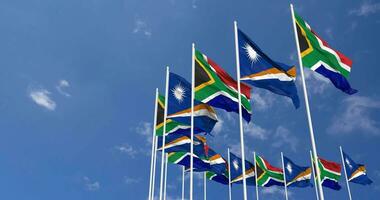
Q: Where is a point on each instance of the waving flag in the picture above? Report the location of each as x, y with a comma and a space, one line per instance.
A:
267, 175
317, 55
178, 143
356, 173
171, 126
218, 164
179, 108
220, 178
296, 176
330, 173
183, 158
261, 71
215, 87
237, 172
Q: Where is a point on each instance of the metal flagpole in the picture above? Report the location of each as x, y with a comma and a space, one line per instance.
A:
345, 172
315, 181
314, 147
183, 182
204, 186
229, 175
166, 174
257, 186
154, 167
153, 145
164, 132
192, 119
283, 170
240, 110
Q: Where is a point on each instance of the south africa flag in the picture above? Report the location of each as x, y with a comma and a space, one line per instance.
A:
267, 175
330, 173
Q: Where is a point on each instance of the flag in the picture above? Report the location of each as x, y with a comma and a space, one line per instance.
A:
330, 174
237, 172
179, 108
267, 175
217, 88
183, 158
259, 70
220, 178
171, 125
178, 143
296, 176
218, 164
356, 173
317, 55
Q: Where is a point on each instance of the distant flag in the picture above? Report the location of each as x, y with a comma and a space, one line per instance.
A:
179, 108
171, 125
217, 88
356, 173
330, 173
178, 143
217, 163
237, 172
183, 158
261, 71
267, 175
317, 55
296, 176
220, 178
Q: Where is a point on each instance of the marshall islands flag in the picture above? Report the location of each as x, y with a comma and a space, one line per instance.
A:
317, 55
259, 70
296, 176
356, 173
237, 172
179, 109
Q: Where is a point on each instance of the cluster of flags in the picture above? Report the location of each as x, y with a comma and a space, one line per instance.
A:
186, 115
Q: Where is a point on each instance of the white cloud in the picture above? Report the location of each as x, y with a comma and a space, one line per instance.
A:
256, 131
218, 126
283, 137
62, 84
274, 191
141, 27
315, 82
194, 4
145, 130
127, 149
356, 116
91, 185
129, 180
41, 97
366, 8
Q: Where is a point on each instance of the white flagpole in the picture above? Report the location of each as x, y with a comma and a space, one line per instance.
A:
163, 133
154, 167
315, 181
240, 110
257, 186
314, 147
204, 186
345, 173
192, 119
183, 182
166, 174
229, 175
153, 145
283, 170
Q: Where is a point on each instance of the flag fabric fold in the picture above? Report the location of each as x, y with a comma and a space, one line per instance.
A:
267, 175
296, 176
237, 172
217, 88
317, 55
356, 173
259, 70
330, 173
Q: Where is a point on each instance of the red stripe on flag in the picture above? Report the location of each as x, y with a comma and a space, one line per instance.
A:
332, 166
270, 167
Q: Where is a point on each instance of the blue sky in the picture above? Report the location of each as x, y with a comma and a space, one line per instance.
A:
77, 86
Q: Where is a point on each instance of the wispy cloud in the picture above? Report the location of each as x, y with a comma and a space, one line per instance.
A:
316, 82
194, 4
142, 28
127, 149
284, 138
356, 115
42, 98
130, 180
256, 131
145, 129
366, 8
274, 191
262, 99
91, 185
62, 85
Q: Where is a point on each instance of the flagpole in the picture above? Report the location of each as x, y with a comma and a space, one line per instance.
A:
315, 181
345, 172
283, 170
204, 186
314, 147
164, 132
183, 182
229, 175
240, 110
154, 167
166, 174
257, 186
153, 145
192, 119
